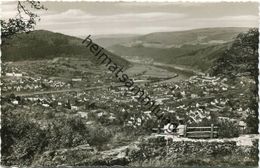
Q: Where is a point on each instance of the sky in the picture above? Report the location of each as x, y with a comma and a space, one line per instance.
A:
104, 18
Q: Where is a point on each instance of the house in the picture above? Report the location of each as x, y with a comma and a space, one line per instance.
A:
45, 105
83, 114
100, 114
74, 108
112, 118
76, 79
14, 74
15, 102
147, 112
18, 89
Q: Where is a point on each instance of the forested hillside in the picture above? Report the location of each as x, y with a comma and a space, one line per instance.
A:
241, 62
43, 44
196, 49
241, 59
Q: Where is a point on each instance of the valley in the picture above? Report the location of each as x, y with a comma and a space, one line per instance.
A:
72, 111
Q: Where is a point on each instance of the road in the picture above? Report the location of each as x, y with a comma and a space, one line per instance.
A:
68, 90
61, 91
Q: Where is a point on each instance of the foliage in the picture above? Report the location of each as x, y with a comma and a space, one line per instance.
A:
24, 21
41, 44
241, 58
23, 139
99, 135
252, 124
228, 129
194, 49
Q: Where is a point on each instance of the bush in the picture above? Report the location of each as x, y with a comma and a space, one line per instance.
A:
23, 139
99, 135
66, 132
228, 129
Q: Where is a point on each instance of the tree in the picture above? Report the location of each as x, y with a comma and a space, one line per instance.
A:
242, 58
23, 22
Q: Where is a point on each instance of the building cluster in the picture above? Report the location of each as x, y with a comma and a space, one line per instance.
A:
26, 83
198, 99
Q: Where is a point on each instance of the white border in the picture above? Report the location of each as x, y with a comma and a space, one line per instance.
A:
157, 1
190, 1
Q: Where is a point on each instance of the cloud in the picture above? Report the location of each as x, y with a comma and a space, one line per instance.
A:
79, 16
8, 9
239, 18
77, 22
135, 18
227, 21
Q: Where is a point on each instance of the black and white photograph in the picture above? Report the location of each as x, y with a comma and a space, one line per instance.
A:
129, 84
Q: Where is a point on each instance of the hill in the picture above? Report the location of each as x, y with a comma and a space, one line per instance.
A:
110, 40
195, 36
241, 58
196, 49
41, 44
240, 63
107, 127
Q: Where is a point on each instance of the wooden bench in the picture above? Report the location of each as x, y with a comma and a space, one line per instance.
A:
201, 132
